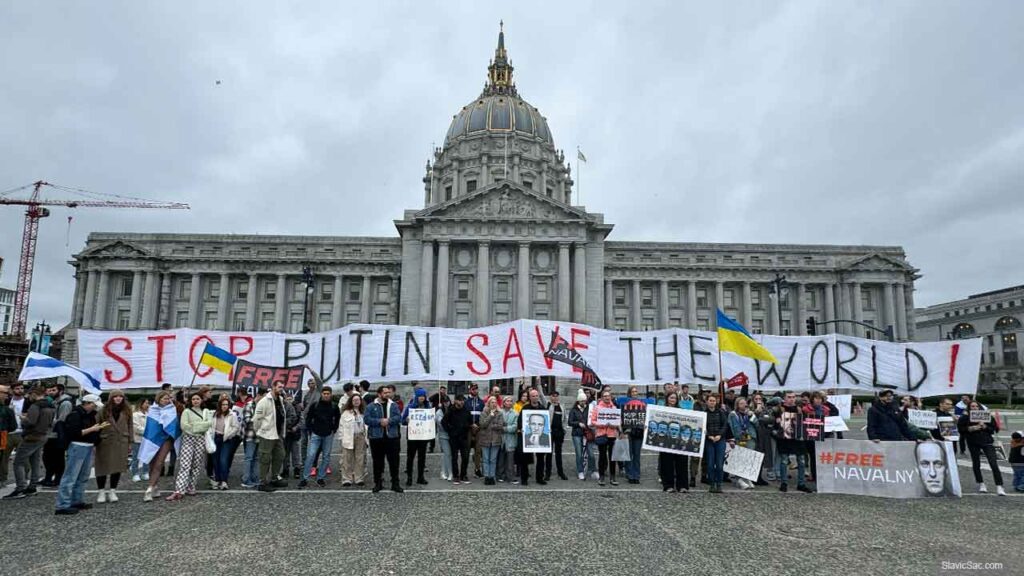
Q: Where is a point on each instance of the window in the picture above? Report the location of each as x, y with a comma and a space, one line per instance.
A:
543, 294
528, 184
269, 290
812, 298
673, 297
501, 291
702, 297
181, 319
729, 295
295, 322
267, 321
867, 299
755, 298
757, 326
462, 289
355, 291
647, 323
242, 289
185, 289
298, 289
988, 308
122, 319
675, 322
126, 287
383, 292
785, 328
462, 319
352, 317
470, 186
380, 318
999, 306
210, 320
647, 297
785, 300
326, 292
448, 192
551, 193
323, 322
702, 324
620, 296
620, 323
991, 357
991, 340
238, 321
213, 288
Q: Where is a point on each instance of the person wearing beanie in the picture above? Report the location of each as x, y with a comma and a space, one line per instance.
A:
579, 430
415, 449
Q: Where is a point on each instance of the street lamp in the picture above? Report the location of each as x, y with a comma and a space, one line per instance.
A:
308, 280
41, 338
780, 288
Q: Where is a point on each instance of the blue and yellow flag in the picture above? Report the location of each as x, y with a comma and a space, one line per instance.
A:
733, 337
218, 358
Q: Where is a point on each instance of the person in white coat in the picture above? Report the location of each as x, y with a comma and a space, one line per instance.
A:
352, 433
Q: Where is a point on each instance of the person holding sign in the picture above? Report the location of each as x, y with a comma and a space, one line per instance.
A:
743, 425
945, 423
489, 437
977, 426
415, 449
604, 436
674, 469
534, 436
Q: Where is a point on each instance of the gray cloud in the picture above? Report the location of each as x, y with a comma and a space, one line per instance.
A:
890, 123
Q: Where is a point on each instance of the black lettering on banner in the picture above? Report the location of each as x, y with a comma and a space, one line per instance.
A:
814, 354
384, 357
424, 360
359, 348
674, 354
629, 340
288, 356
924, 369
840, 362
874, 367
336, 370
772, 369
693, 358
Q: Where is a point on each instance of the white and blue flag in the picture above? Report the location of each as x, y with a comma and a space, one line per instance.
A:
161, 425
39, 366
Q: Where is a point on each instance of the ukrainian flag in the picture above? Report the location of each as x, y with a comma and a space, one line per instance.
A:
218, 358
733, 337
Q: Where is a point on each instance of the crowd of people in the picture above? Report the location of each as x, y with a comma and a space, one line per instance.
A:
57, 442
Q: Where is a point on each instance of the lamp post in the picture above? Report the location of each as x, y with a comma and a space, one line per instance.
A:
41, 338
308, 280
779, 290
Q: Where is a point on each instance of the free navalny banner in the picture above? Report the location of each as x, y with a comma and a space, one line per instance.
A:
887, 469
388, 353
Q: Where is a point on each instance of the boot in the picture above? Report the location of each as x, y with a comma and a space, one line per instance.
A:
377, 486
408, 479
396, 487
422, 481
297, 473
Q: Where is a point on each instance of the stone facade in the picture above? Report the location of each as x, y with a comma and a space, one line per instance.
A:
497, 239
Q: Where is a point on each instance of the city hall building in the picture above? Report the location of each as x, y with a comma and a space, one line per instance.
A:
496, 238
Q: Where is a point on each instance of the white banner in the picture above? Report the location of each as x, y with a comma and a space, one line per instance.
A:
743, 462
421, 424
385, 353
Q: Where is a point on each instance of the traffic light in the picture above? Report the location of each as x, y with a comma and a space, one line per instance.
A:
812, 326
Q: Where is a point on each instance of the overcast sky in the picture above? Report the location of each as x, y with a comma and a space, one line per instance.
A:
896, 123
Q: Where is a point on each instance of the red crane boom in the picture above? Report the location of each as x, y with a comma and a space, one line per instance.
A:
36, 209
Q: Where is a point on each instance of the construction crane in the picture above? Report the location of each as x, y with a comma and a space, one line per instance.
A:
36, 209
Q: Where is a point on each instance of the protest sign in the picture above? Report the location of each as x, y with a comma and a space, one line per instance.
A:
980, 417
634, 414
835, 424
843, 403
813, 428
253, 377
887, 469
523, 348
923, 419
674, 430
609, 416
743, 462
947, 428
421, 424
536, 431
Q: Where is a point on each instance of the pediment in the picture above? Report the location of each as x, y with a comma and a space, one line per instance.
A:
876, 262
116, 249
503, 201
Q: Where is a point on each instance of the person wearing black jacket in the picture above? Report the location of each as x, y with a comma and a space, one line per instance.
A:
83, 434
885, 422
788, 434
457, 422
979, 440
525, 459
718, 433
322, 421
557, 438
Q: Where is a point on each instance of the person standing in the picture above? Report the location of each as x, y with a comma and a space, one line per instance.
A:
352, 431
578, 426
743, 426
525, 458
458, 421
36, 423
604, 437
56, 443
225, 429
556, 417
441, 439
135, 467
673, 469
979, 441
250, 444
788, 441
17, 406
718, 435
292, 438
507, 454
634, 435
383, 421
115, 443
475, 406
321, 423
82, 433
195, 421
944, 410
885, 422
269, 425
161, 435
8, 424
492, 427
415, 449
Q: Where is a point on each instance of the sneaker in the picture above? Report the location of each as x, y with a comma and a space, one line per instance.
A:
112, 495
303, 483
16, 495
614, 482
346, 484
783, 488
376, 488
145, 477
1000, 491
396, 487
31, 490
478, 474
982, 488
803, 488
136, 478
148, 496
279, 483
65, 511
581, 476
360, 483
82, 506
600, 481
515, 482
101, 497
329, 471
266, 488
312, 471
595, 476
321, 482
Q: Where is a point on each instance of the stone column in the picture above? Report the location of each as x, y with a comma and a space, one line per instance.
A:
443, 283
393, 305
281, 304
663, 304
164, 313
634, 307
748, 307
901, 312
845, 308
888, 308
223, 302
89, 307
367, 303
456, 180
251, 299
76, 301
609, 304
908, 305
195, 300
544, 179
858, 309
150, 300
563, 280
719, 303
338, 304
579, 282
796, 310
136, 301
691, 304
523, 281
773, 311
830, 307
102, 301
426, 283
483, 283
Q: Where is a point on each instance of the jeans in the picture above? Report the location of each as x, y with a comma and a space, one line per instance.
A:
250, 473
633, 466
584, 455
446, 458
134, 466
324, 445
1018, 477
221, 458
490, 460
990, 454
716, 460
784, 469
28, 460
506, 464
76, 475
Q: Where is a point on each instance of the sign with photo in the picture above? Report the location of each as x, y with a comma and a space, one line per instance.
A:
536, 431
947, 428
421, 424
674, 430
887, 469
